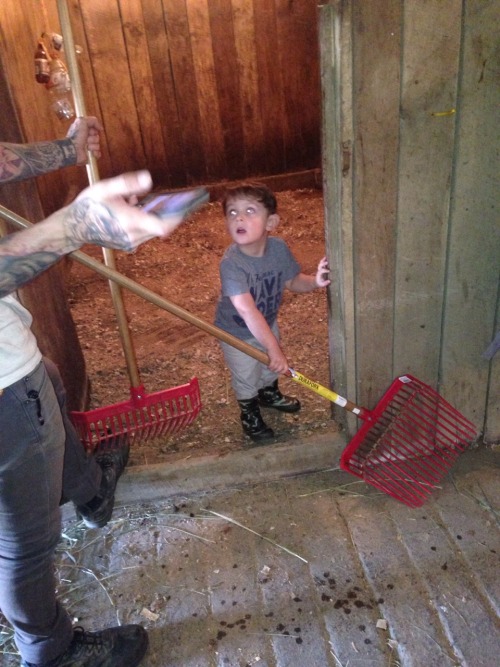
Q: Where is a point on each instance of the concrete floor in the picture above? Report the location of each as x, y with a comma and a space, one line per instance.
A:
272, 557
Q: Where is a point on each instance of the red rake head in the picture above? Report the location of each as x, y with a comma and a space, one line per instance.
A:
142, 418
409, 442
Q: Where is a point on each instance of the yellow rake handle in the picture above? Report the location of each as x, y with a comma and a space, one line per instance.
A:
327, 393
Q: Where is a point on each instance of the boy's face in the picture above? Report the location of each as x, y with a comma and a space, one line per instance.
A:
248, 223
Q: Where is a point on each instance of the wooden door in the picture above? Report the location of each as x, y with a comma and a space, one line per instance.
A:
410, 141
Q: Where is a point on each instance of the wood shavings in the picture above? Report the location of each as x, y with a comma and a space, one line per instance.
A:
150, 615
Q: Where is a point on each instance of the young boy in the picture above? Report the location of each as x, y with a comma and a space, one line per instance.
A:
254, 272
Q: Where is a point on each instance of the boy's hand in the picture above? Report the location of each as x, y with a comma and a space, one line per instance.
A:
322, 272
277, 361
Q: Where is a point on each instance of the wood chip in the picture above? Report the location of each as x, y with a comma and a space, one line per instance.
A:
150, 615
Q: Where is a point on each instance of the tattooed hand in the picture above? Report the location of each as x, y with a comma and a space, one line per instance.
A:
101, 215
21, 161
84, 133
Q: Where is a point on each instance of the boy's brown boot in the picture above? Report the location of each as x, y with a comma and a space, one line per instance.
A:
252, 422
271, 397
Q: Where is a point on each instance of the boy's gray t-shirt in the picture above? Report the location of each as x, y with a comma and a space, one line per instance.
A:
264, 277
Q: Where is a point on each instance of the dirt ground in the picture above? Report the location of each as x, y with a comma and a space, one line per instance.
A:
184, 270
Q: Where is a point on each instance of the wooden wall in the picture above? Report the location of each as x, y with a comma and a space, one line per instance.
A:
412, 227
198, 91
56, 334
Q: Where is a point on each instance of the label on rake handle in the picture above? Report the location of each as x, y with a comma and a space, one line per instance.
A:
318, 388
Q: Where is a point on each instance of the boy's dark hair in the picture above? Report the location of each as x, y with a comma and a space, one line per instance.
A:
257, 191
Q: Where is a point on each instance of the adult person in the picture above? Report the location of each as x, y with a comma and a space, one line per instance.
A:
88, 481
32, 434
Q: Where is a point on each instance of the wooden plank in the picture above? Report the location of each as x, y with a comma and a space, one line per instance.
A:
114, 86
377, 57
466, 617
345, 594
143, 86
272, 101
347, 138
21, 26
412, 619
228, 86
174, 70
253, 151
429, 86
472, 287
492, 416
44, 297
173, 169
329, 32
204, 70
472, 524
297, 39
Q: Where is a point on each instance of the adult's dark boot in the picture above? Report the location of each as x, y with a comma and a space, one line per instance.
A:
252, 422
271, 397
123, 646
97, 512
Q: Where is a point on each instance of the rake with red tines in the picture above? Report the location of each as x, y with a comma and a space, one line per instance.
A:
406, 444
142, 418
404, 447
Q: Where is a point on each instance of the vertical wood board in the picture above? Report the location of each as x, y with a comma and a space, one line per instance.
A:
492, 420
332, 24
272, 102
474, 244
297, 39
347, 175
228, 85
143, 84
246, 50
170, 126
204, 68
431, 46
176, 79
376, 83
112, 75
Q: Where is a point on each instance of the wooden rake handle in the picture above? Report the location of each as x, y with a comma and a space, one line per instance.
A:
93, 177
178, 311
211, 329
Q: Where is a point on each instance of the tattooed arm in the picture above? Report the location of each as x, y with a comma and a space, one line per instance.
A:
21, 161
99, 215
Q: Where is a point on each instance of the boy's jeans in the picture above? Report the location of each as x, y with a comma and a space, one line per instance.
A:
32, 442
